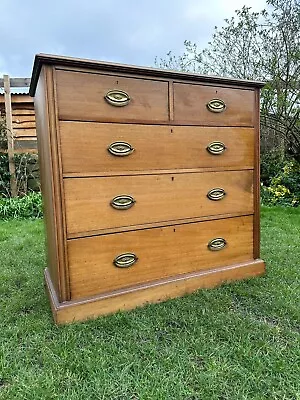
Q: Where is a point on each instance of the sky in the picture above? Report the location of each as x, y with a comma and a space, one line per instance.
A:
125, 31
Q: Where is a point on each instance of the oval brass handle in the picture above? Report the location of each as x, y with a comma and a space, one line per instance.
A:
217, 244
125, 260
120, 149
216, 105
117, 98
216, 148
122, 202
216, 194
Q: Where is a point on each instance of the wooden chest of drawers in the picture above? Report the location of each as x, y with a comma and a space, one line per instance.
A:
150, 180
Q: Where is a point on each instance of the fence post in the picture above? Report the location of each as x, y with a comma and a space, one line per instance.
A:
10, 136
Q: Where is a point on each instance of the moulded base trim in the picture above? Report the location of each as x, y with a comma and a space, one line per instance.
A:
152, 292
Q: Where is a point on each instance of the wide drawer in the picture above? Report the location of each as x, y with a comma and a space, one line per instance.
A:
104, 263
95, 97
85, 147
213, 105
100, 203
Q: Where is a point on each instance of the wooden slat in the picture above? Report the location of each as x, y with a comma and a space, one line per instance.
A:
23, 124
26, 143
18, 98
19, 118
25, 132
17, 82
20, 151
22, 111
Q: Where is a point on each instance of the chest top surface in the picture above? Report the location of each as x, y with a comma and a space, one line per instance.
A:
145, 72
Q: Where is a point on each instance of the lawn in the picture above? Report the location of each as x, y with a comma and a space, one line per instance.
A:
239, 341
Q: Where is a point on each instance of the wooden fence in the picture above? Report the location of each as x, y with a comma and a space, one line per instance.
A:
18, 110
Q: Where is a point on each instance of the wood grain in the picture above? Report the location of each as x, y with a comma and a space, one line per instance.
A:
113, 68
25, 132
154, 292
159, 224
50, 178
81, 97
158, 198
84, 147
169, 174
26, 110
154, 172
190, 105
256, 176
162, 252
23, 121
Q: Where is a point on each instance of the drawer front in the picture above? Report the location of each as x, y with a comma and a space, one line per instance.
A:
160, 252
85, 147
100, 203
81, 96
212, 105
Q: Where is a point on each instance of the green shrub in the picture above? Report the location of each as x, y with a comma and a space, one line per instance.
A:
3, 136
27, 174
284, 188
29, 206
271, 163
4, 176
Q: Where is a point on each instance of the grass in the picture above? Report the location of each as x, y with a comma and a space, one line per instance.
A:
239, 341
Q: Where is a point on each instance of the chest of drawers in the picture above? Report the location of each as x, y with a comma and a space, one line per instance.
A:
150, 182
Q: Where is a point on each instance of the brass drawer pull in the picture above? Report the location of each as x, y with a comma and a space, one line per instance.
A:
216, 105
122, 202
125, 260
120, 149
216, 194
117, 98
216, 148
217, 244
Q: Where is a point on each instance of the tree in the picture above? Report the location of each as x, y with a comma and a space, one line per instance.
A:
261, 46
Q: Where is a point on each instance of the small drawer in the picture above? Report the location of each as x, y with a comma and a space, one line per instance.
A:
112, 202
213, 105
95, 97
85, 147
104, 263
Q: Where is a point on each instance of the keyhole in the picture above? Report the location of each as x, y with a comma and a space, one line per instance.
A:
172, 178
174, 230
216, 91
117, 82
